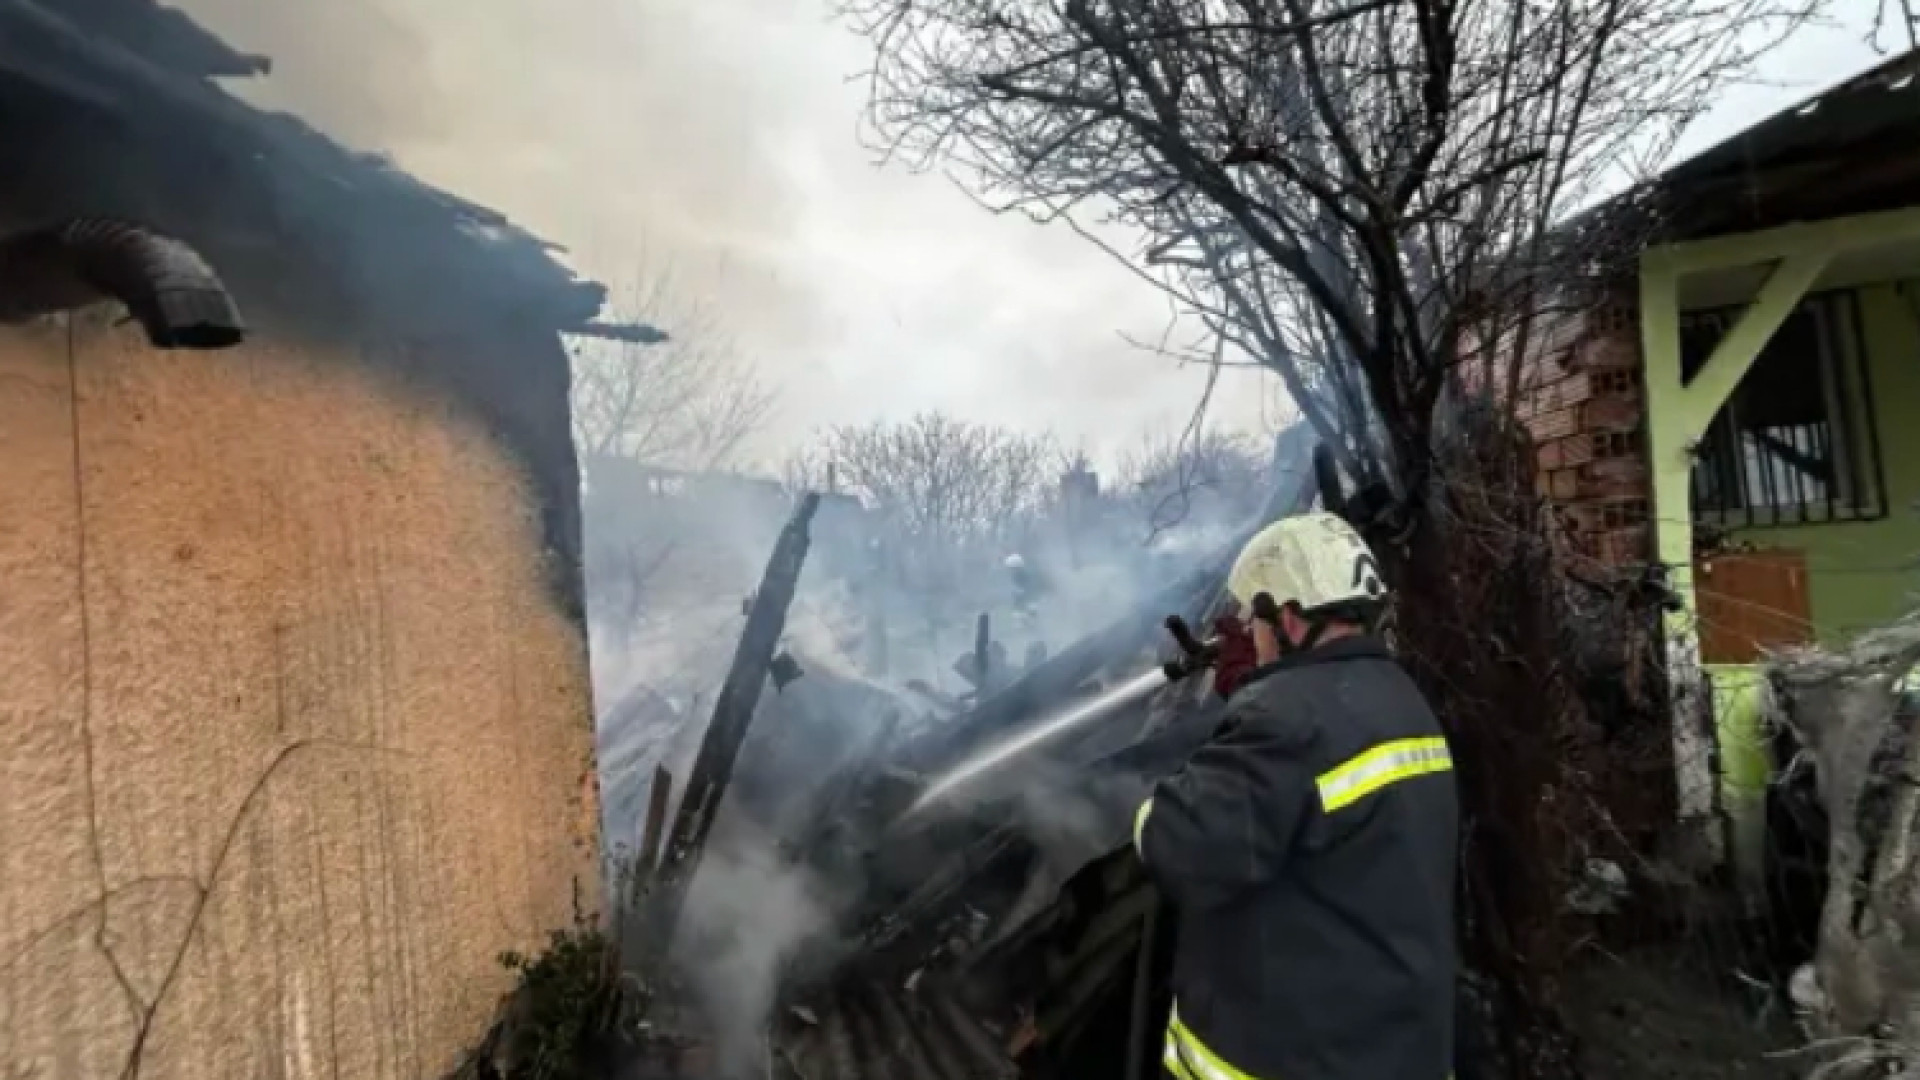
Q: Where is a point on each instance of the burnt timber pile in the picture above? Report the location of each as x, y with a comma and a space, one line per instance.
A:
1001, 934
1012, 932
1007, 926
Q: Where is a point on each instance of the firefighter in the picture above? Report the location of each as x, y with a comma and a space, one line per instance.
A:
1026, 584
1308, 847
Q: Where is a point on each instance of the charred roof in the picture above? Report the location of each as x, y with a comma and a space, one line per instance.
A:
113, 110
163, 35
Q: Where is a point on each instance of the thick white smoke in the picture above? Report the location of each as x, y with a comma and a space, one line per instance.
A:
719, 138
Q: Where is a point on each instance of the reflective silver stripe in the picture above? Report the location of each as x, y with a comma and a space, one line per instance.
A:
1385, 764
1140, 825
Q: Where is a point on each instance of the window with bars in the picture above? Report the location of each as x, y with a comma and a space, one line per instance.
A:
1796, 442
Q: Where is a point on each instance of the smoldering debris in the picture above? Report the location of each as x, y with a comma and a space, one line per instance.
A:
802, 882
747, 912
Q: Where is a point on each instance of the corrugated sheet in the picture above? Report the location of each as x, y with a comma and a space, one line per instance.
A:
875, 1032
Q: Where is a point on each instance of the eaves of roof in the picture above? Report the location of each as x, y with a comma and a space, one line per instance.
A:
403, 247
1850, 149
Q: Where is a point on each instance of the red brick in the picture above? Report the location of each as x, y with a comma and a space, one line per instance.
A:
1613, 444
1619, 547
1613, 479
1615, 413
1597, 517
1554, 425
1607, 352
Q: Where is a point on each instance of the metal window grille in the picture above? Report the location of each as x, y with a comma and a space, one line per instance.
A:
1796, 443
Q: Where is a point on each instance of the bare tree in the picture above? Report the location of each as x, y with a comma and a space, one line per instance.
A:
951, 499
1212, 476
1340, 187
689, 402
935, 477
1896, 19
1375, 200
642, 411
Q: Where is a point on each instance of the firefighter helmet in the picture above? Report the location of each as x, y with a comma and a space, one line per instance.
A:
1315, 561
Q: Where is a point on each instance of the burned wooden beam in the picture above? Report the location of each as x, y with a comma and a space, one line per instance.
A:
656, 823
982, 637
732, 715
636, 879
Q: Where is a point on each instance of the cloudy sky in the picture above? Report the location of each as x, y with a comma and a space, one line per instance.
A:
718, 140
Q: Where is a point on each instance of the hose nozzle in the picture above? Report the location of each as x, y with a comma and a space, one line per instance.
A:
1195, 655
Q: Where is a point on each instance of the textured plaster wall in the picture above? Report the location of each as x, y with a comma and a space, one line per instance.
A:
293, 737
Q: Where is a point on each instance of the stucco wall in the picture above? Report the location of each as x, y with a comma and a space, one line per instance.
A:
294, 740
1863, 574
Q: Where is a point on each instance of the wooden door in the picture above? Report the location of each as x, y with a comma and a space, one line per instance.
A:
1750, 601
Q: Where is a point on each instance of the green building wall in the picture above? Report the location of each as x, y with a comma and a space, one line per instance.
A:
1863, 574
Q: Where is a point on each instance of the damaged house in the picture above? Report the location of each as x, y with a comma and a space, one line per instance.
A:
296, 709
1743, 416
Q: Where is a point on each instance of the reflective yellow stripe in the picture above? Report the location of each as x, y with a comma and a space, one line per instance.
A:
1140, 825
1187, 1058
1385, 764
1195, 1061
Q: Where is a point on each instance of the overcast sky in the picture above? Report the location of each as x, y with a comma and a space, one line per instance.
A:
718, 138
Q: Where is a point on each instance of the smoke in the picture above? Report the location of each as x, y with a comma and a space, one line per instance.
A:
719, 139
746, 915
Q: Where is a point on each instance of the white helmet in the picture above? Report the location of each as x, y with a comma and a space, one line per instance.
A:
1315, 561
1016, 562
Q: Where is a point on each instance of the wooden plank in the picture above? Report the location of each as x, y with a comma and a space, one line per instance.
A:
654, 828
727, 730
1750, 602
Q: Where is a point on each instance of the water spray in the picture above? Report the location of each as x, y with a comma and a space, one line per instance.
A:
980, 766
1196, 656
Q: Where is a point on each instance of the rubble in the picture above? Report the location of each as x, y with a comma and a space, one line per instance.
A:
1851, 713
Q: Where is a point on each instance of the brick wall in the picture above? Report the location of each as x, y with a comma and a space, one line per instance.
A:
1583, 400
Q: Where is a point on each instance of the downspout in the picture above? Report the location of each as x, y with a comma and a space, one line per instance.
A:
166, 285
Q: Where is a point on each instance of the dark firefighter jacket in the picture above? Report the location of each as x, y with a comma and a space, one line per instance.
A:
1308, 849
